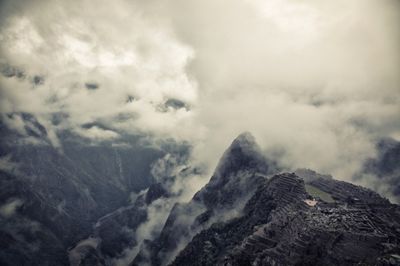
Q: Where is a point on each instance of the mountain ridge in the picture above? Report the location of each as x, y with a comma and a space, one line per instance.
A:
249, 213
312, 208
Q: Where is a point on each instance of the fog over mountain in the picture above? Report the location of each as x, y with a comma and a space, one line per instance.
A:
317, 82
115, 114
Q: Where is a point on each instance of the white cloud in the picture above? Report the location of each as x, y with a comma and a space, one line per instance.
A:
7, 165
70, 44
316, 79
8, 209
97, 133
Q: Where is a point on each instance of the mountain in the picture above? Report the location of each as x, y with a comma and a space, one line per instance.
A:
240, 171
50, 197
250, 214
99, 204
114, 233
286, 223
385, 166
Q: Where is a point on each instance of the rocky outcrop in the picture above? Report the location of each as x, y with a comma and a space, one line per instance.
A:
235, 241
64, 191
278, 227
72, 207
240, 171
115, 232
301, 218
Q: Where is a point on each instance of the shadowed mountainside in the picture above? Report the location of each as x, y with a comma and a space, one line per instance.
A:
278, 219
74, 207
51, 197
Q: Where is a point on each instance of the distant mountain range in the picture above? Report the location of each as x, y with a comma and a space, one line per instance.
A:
51, 198
91, 204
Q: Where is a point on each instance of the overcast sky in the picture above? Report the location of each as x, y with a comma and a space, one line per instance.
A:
315, 81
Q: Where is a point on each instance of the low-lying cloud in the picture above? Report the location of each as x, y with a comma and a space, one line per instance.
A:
316, 82
9, 209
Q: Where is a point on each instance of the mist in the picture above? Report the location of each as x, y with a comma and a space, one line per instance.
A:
316, 82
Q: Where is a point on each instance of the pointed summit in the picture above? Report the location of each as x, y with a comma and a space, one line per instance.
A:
236, 175
245, 138
243, 154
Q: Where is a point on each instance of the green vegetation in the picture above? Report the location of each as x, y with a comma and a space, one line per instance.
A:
317, 193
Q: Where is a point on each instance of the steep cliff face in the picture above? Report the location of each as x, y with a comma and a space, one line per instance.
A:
31, 230
222, 242
285, 224
114, 234
240, 171
59, 193
72, 207
246, 215
237, 174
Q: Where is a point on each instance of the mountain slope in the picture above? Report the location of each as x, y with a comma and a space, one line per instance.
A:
240, 171
74, 207
386, 167
246, 216
282, 227
63, 190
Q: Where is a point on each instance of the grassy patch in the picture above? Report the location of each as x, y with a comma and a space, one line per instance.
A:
316, 192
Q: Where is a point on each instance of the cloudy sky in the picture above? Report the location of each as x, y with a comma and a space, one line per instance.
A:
316, 82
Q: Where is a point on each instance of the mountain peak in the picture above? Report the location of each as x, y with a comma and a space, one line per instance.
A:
245, 138
243, 154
